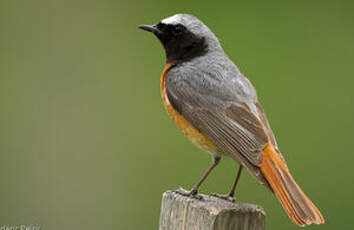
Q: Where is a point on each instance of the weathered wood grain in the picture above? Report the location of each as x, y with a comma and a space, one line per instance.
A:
208, 213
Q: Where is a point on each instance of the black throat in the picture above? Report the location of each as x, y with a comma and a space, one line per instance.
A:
180, 44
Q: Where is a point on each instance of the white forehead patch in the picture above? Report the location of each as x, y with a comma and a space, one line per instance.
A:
173, 20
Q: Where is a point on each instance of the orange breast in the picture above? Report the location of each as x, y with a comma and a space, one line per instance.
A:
187, 128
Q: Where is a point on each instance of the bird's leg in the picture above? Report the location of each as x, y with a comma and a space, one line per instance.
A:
230, 195
195, 188
232, 192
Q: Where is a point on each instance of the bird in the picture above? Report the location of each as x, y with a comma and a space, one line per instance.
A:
217, 109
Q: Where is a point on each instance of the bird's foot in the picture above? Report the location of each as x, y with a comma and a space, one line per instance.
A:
192, 193
224, 197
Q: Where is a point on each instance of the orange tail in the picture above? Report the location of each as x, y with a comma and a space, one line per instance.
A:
297, 205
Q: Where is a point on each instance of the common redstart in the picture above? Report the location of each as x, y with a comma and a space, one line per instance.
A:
216, 107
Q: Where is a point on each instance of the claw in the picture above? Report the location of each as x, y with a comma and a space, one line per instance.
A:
193, 193
224, 197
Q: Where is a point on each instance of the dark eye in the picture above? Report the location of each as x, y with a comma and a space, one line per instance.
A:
160, 26
178, 29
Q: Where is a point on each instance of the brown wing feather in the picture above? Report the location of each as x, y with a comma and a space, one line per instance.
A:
234, 129
269, 131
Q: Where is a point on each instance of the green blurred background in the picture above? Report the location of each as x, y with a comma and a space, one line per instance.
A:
85, 142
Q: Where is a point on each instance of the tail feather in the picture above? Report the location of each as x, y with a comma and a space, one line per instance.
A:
297, 205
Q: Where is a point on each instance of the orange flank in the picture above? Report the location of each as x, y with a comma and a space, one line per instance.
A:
189, 131
297, 205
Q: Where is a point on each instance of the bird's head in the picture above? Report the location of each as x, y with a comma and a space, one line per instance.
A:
184, 37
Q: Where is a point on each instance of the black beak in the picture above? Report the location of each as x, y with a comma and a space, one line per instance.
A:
150, 28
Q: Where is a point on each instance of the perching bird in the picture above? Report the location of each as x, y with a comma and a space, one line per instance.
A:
217, 108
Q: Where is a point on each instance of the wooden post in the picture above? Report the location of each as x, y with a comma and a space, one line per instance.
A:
208, 213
